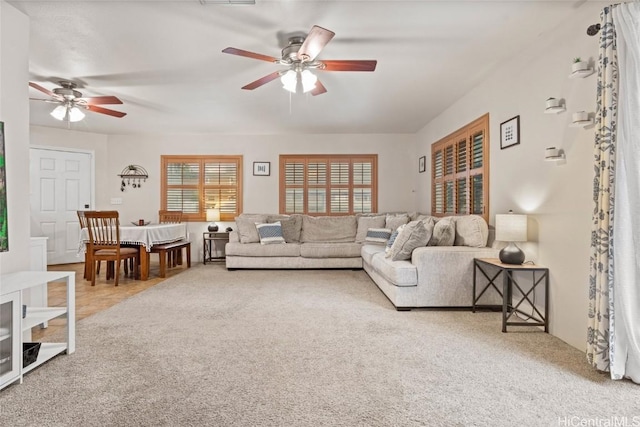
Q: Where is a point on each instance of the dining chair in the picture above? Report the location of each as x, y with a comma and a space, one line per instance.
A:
104, 243
87, 255
173, 251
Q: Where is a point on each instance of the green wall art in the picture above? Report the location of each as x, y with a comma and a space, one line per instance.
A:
4, 226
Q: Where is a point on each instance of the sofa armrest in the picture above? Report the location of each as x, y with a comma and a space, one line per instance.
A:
445, 273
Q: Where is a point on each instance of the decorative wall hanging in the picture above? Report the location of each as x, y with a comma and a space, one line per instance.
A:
261, 168
510, 132
134, 176
422, 164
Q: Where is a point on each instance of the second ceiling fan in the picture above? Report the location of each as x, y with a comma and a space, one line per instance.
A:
300, 57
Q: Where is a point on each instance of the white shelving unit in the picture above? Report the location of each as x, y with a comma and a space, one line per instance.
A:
581, 123
22, 282
581, 74
10, 351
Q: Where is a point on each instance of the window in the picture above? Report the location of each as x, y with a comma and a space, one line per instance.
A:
193, 184
328, 184
460, 171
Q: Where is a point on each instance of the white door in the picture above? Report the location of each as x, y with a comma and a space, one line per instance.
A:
60, 186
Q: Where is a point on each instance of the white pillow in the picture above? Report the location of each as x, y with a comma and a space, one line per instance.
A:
270, 233
413, 235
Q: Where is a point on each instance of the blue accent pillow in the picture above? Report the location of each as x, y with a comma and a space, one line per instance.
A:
270, 233
378, 235
392, 238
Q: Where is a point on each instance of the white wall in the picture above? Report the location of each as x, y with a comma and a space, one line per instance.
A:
558, 197
14, 112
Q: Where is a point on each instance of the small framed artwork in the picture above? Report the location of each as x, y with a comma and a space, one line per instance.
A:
510, 133
422, 164
261, 168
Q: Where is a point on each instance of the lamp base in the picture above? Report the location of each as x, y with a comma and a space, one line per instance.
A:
213, 227
511, 254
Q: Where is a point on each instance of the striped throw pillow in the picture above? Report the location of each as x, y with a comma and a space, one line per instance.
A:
378, 235
270, 233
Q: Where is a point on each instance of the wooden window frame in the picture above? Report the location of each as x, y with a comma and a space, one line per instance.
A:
201, 186
311, 158
451, 141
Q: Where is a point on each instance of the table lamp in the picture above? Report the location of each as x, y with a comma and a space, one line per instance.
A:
213, 215
511, 228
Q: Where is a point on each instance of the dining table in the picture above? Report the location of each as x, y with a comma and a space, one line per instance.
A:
143, 236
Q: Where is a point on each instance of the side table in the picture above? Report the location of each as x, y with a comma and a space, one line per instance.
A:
510, 307
213, 245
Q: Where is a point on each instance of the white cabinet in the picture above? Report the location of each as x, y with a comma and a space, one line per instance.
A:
10, 343
13, 286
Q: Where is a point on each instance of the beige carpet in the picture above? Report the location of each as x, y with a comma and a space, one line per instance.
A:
210, 347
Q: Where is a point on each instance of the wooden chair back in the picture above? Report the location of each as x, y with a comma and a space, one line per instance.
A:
169, 217
81, 219
104, 229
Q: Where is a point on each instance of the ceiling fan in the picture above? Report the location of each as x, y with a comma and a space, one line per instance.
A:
300, 57
71, 102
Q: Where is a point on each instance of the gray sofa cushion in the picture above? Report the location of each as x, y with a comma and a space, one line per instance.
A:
400, 273
246, 224
258, 250
291, 226
330, 250
368, 251
328, 229
393, 221
412, 235
444, 232
471, 230
367, 222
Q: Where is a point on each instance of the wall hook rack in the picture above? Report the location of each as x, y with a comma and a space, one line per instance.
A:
133, 175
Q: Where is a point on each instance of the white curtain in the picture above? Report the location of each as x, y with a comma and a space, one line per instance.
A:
625, 337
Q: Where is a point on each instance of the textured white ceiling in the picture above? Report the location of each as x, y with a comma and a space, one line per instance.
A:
163, 60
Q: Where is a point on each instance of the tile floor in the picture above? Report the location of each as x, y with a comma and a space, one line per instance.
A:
92, 299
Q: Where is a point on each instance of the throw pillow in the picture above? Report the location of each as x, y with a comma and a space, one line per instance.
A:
270, 233
246, 224
444, 233
471, 230
413, 235
378, 236
291, 228
392, 239
365, 223
393, 221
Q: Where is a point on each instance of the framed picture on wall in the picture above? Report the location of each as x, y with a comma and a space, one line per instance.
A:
510, 133
422, 164
261, 168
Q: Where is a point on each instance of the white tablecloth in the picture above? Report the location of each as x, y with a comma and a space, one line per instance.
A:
147, 235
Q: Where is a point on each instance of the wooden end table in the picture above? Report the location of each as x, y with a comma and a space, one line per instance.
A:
213, 244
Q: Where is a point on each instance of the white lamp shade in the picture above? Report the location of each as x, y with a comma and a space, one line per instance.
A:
213, 215
308, 81
289, 81
75, 114
59, 112
511, 227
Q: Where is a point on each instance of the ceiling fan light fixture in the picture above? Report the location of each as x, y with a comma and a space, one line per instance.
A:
289, 81
59, 112
308, 80
75, 114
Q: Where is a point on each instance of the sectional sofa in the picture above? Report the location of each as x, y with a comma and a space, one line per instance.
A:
428, 263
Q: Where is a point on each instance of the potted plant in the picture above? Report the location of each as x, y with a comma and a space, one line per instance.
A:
552, 103
579, 65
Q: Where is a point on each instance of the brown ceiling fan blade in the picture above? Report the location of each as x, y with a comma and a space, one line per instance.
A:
319, 89
314, 43
264, 80
246, 53
106, 111
95, 100
349, 65
45, 90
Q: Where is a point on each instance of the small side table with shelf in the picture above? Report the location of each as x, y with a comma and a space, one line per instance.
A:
14, 285
511, 308
213, 243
